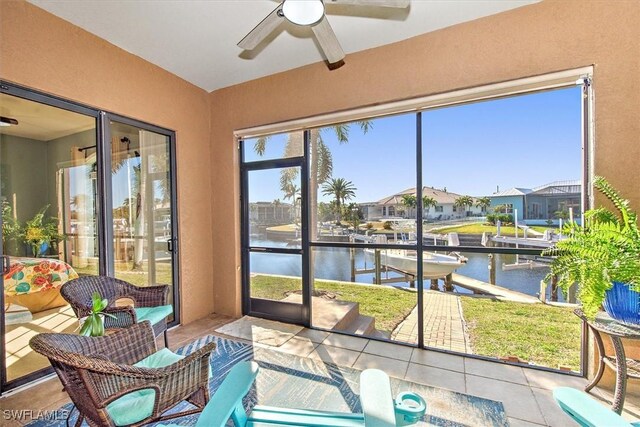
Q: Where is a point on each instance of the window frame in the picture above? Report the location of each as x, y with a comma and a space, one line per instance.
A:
568, 78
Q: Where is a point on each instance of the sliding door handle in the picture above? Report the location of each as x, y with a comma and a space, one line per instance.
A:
172, 245
6, 264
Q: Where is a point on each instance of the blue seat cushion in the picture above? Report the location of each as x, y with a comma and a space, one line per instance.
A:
153, 314
132, 407
138, 405
161, 358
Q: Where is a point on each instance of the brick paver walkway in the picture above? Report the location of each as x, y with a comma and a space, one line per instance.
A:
443, 327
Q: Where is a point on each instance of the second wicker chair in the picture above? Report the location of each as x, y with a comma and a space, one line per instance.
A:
150, 302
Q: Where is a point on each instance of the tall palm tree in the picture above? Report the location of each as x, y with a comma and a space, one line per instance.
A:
483, 203
292, 191
341, 190
320, 161
428, 203
463, 202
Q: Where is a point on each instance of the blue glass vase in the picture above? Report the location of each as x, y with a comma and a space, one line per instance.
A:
623, 304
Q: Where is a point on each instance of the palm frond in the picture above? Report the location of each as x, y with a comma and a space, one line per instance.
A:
260, 146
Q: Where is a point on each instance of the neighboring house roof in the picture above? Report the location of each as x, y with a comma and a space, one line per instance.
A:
440, 196
515, 191
559, 188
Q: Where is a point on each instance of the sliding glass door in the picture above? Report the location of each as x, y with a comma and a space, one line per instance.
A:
50, 222
144, 243
82, 193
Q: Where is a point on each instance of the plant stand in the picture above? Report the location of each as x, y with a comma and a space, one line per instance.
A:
624, 368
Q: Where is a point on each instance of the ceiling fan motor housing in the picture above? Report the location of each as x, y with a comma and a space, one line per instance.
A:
303, 12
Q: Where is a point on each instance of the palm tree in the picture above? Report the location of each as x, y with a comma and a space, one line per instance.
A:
409, 201
321, 160
428, 203
292, 191
341, 190
463, 202
483, 203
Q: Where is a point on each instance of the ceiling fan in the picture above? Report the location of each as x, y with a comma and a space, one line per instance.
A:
310, 13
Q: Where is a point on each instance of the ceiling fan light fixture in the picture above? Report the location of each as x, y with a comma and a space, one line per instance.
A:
303, 12
8, 121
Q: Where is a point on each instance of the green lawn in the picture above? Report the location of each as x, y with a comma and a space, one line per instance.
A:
542, 334
477, 228
140, 278
389, 306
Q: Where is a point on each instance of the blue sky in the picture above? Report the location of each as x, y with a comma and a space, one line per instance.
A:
522, 141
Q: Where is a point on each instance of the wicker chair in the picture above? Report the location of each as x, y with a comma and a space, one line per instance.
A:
120, 379
150, 301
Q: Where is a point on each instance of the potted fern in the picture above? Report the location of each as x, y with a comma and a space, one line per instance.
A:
602, 256
93, 324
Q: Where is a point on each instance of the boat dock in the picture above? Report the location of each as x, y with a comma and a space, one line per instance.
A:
478, 286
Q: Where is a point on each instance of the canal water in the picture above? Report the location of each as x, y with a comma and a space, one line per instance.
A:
334, 264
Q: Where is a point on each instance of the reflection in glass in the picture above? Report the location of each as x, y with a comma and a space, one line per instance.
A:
48, 195
141, 187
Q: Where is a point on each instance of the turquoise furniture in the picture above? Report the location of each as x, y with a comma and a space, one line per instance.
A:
379, 408
586, 411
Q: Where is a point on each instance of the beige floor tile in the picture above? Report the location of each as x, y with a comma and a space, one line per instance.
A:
393, 367
298, 346
514, 422
346, 341
436, 377
551, 380
387, 349
518, 400
553, 415
337, 355
41, 394
495, 370
314, 335
438, 360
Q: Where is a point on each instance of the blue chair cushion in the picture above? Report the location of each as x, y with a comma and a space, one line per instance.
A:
161, 358
153, 314
585, 410
132, 407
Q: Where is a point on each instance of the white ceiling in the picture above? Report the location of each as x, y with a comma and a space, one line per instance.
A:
196, 40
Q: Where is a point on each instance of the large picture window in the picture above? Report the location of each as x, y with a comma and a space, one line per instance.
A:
427, 228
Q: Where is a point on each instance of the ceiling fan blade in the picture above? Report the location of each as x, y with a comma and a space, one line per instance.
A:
328, 41
263, 29
376, 3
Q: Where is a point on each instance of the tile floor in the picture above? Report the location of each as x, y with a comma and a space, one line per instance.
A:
526, 393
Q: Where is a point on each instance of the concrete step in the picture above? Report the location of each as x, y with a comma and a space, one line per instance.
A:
363, 325
330, 313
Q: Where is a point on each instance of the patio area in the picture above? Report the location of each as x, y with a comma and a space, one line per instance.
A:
525, 393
